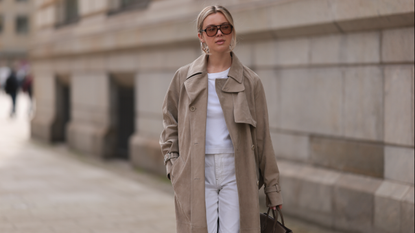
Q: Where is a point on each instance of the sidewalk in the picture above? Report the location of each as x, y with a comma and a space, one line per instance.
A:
51, 189
42, 191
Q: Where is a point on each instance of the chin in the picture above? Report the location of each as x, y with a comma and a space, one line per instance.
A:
221, 49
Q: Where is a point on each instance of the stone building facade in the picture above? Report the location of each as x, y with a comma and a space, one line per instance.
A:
16, 17
339, 80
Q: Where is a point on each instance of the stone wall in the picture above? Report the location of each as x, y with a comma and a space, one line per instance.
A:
338, 76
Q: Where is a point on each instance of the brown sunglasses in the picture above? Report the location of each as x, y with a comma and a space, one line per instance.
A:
212, 30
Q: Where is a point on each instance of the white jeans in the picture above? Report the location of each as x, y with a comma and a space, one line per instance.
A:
221, 192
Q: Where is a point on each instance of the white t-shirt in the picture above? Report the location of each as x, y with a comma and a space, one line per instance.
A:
218, 139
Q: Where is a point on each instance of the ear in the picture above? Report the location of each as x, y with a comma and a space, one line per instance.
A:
200, 37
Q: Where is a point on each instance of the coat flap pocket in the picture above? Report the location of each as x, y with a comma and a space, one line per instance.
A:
241, 110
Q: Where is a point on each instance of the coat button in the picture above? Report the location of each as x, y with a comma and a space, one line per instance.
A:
253, 147
192, 108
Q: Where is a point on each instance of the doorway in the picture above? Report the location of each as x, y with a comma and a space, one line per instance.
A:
63, 108
122, 112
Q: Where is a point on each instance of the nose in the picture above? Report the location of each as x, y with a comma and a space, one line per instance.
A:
219, 33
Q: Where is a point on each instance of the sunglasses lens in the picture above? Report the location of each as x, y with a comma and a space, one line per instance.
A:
211, 30
226, 29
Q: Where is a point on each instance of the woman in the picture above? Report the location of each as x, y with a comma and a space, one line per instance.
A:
216, 139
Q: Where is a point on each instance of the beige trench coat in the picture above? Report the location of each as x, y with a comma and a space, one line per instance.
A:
182, 141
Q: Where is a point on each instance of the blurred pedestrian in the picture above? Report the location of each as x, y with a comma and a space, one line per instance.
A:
11, 88
216, 139
27, 88
4, 74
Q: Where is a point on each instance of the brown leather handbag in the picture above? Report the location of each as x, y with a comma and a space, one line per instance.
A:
271, 225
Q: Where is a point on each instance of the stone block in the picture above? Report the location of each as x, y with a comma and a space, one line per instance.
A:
167, 32
270, 83
44, 87
264, 54
88, 138
284, 52
310, 100
363, 103
352, 9
97, 63
403, 19
354, 203
150, 60
80, 64
90, 89
308, 190
399, 164
244, 51
44, 90
149, 124
398, 45
407, 212
312, 12
252, 21
359, 15
387, 206
353, 48
123, 62
358, 48
151, 89
61, 65
179, 56
399, 105
292, 52
326, 49
145, 154
291, 146
350, 156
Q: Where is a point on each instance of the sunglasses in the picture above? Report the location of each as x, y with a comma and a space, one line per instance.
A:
212, 30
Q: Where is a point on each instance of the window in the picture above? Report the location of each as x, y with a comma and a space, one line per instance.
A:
117, 6
67, 12
22, 25
1, 22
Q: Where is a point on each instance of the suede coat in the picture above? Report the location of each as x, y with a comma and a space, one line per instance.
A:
182, 141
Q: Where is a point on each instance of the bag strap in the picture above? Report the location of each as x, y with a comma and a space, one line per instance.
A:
275, 215
282, 217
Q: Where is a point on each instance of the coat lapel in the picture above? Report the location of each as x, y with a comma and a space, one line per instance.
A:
196, 81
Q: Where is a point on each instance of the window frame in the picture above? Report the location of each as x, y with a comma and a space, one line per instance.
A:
16, 25
62, 16
119, 7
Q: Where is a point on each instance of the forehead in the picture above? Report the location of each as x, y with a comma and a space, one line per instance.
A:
215, 19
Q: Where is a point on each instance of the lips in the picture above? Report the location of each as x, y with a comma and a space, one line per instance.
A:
220, 41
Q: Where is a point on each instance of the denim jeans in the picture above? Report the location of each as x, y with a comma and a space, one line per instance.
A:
221, 193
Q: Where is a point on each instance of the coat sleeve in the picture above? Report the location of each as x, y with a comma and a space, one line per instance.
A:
169, 136
267, 162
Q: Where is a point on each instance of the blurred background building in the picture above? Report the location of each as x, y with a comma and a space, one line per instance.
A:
16, 19
339, 80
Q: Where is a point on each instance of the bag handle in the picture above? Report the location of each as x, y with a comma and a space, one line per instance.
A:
275, 215
282, 217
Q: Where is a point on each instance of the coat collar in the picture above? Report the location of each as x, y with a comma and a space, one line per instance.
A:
199, 66
196, 80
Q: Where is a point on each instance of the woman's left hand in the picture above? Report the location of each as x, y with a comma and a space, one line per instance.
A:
275, 207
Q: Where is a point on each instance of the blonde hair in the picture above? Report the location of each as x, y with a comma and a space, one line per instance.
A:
212, 10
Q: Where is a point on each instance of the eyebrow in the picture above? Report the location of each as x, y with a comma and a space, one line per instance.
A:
218, 24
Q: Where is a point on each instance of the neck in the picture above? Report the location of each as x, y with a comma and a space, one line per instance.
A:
219, 62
